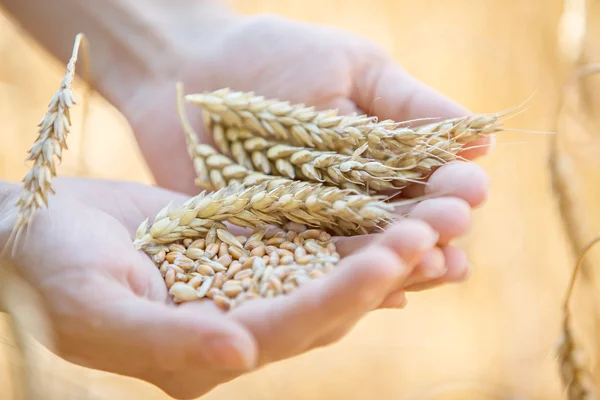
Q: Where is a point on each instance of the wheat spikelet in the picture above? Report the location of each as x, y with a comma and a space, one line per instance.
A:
325, 130
574, 372
48, 147
214, 170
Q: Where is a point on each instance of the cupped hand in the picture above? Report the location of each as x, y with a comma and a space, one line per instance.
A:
277, 58
110, 309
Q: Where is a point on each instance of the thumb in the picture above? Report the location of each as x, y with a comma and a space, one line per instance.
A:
389, 92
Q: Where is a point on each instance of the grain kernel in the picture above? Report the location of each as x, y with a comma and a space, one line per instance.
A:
324, 237
223, 250
243, 274
171, 256
187, 242
159, 257
177, 248
274, 259
181, 277
199, 244
288, 246
236, 252
211, 250
194, 253
204, 269
249, 262
196, 281
182, 292
225, 260
276, 241
213, 292
252, 244
222, 302
232, 288
234, 268
170, 278
310, 234
164, 268
284, 253
287, 260
258, 251
184, 263
203, 289
290, 236
218, 280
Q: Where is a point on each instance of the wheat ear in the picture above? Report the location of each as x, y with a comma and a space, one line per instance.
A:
299, 125
574, 372
338, 211
48, 147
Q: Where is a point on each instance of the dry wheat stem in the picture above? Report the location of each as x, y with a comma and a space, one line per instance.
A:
299, 125
338, 211
230, 270
48, 147
574, 372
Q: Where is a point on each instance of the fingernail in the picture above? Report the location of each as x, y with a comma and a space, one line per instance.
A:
230, 354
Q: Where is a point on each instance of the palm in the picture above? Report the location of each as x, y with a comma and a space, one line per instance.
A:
110, 309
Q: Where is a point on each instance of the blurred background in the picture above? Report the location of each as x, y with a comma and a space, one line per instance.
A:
493, 337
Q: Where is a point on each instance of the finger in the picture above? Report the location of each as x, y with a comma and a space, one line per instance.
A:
345, 106
431, 266
467, 181
450, 217
478, 148
141, 333
389, 92
410, 239
458, 269
286, 325
396, 300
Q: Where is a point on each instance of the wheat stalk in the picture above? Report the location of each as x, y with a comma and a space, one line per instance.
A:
53, 130
299, 125
574, 372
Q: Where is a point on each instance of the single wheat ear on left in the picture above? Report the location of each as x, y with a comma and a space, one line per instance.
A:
46, 152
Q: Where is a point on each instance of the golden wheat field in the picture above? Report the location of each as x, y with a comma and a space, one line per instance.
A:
493, 337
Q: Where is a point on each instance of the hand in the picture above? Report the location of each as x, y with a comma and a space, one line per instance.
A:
274, 57
110, 309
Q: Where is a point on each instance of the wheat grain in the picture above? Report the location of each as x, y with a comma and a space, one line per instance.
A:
273, 271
